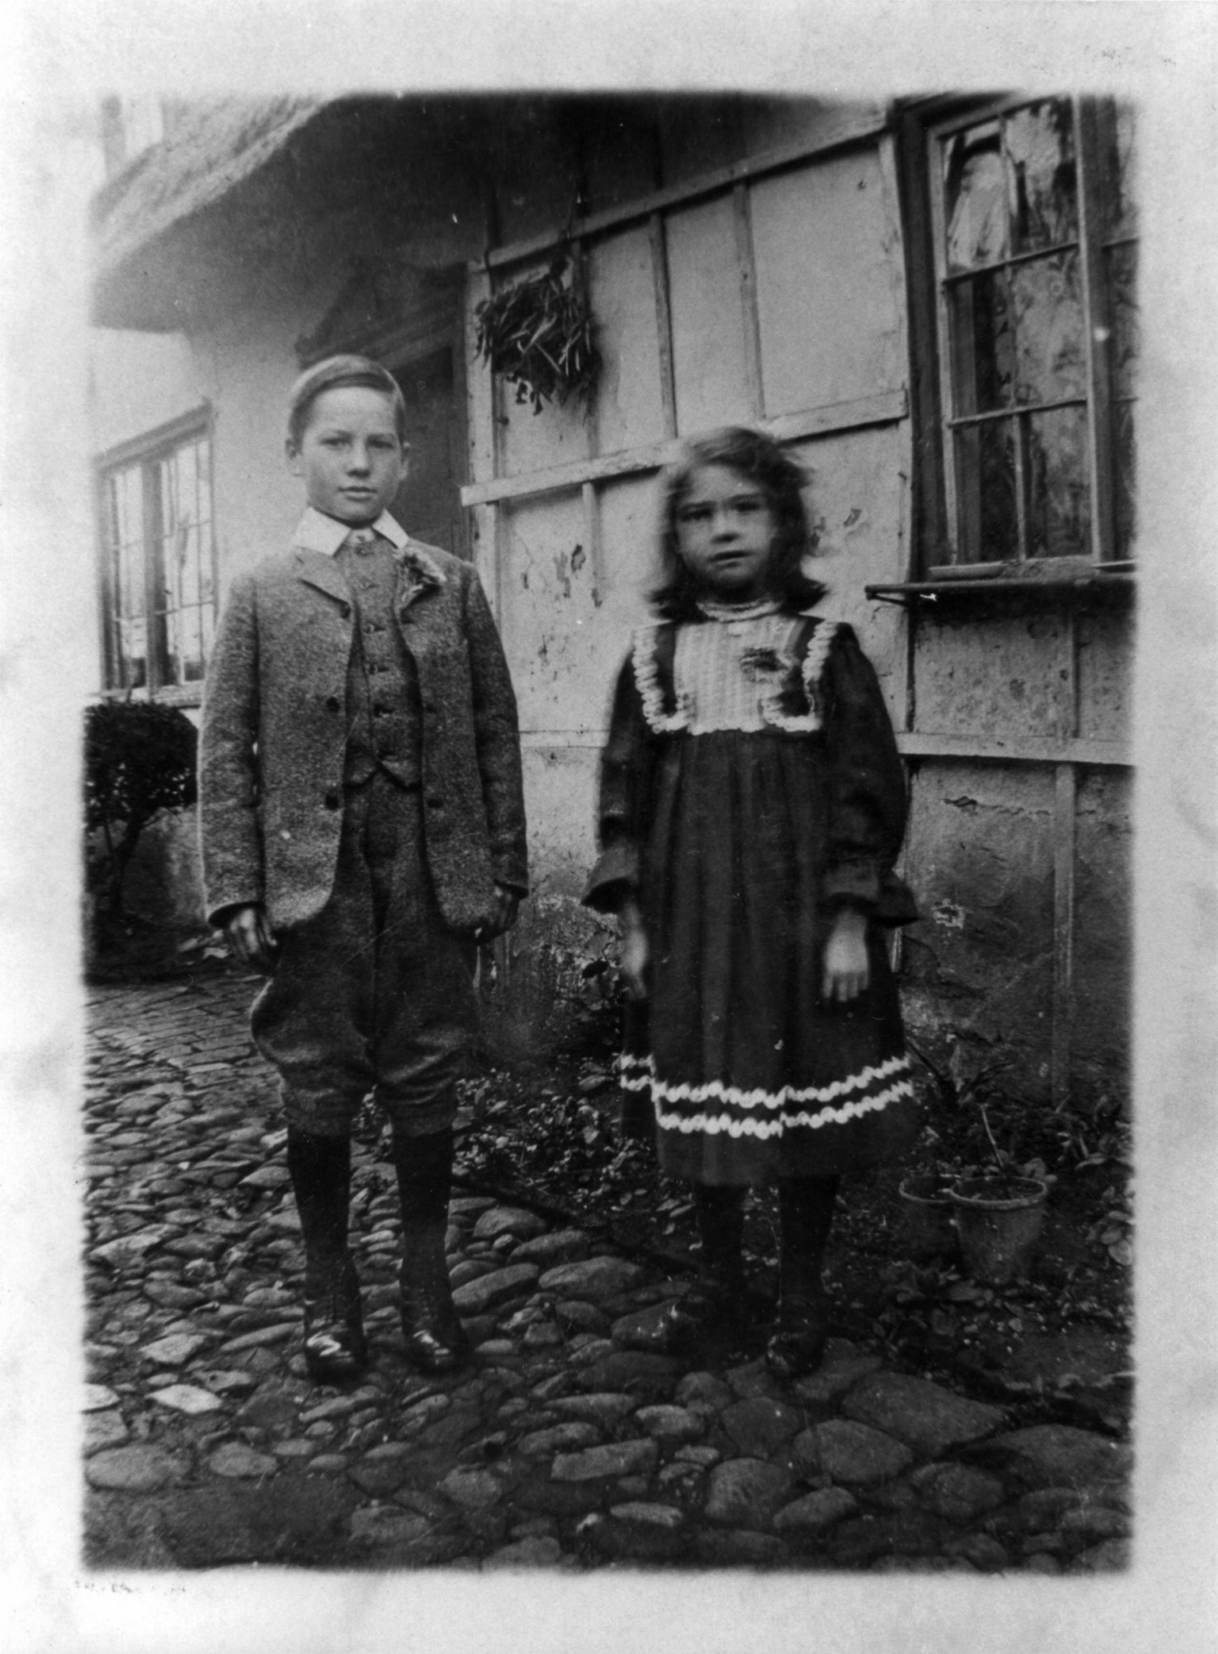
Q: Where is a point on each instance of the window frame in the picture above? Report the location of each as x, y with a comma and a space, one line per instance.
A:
146, 452
936, 560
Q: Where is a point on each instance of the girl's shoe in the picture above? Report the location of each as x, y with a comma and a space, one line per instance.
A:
797, 1344
335, 1349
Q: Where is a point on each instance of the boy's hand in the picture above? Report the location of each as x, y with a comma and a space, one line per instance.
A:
251, 938
847, 971
507, 905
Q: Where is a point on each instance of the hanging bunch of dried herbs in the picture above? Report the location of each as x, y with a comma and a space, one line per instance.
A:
538, 334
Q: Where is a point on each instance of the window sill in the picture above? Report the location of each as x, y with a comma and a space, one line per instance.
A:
185, 695
1112, 581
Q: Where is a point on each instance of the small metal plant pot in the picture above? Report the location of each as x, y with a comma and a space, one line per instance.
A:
998, 1221
928, 1218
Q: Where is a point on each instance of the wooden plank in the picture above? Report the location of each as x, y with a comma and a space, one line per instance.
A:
884, 409
1096, 334
592, 535
854, 128
1064, 853
993, 749
746, 268
659, 273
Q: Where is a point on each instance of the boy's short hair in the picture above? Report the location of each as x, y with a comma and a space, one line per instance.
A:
341, 370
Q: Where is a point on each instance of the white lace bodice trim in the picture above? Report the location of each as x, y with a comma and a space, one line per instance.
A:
731, 673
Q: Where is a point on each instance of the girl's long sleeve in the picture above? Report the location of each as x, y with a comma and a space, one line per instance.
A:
867, 790
624, 791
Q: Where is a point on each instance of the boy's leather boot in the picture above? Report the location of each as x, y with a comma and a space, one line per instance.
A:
335, 1350
805, 1207
435, 1339
715, 1303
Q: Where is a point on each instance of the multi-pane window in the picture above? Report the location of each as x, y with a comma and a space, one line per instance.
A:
158, 563
1032, 256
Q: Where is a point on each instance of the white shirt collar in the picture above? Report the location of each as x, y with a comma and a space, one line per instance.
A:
317, 532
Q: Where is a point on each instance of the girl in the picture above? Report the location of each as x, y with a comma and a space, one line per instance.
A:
752, 803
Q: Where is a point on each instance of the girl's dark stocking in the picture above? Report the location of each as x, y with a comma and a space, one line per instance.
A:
435, 1338
715, 1303
320, 1170
805, 1206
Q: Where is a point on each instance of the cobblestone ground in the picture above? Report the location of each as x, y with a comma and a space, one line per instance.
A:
562, 1446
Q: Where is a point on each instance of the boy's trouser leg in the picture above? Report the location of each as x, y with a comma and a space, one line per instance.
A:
805, 1206
320, 1169
435, 1338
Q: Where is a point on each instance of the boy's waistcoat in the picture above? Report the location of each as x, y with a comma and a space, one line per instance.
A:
274, 723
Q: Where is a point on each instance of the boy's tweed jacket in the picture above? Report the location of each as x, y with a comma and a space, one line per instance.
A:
274, 721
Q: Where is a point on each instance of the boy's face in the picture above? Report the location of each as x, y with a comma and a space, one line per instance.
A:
349, 454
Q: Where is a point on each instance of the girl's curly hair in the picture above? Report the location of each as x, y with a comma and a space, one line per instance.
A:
757, 457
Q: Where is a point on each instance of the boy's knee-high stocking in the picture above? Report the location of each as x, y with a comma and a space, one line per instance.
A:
716, 1298
435, 1338
805, 1206
320, 1170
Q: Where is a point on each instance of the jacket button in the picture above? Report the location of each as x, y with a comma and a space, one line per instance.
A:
333, 704
331, 800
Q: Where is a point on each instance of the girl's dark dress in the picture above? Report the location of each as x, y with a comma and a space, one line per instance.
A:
750, 785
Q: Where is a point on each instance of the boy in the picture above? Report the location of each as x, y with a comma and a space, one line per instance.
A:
362, 828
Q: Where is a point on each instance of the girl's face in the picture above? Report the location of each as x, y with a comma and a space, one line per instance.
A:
725, 532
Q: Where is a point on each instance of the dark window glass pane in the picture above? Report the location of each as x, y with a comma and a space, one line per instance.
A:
1047, 310
1058, 487
987, 523
982, 343
1039, 143
975, 197
126, 522
1125, 511
1123, 310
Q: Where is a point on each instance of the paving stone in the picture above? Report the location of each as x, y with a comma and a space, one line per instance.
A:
1096, 1522
982, 1550
753, 1378
104, 1430
267, 1177
850, 1452
259, 1339
130, 1249
549, 1250
268, 1411
1064, 1456
745, 1493
1110, 1556
295, 1447
671, 1424
329, 1464
336, 1407
378, 1479
740, 1548
605, 1407
923, 1414
641, 1329
140, 1468
759, 1426
175, 1350
575, 1433
584, 1350
487, 1291
698, 1455
376, 1525
703, 1390
574, 1315
470, 1269
815, 1511
635, 1371
97, 1398
534, 1551
472, 1489
591, 1278
188, 1399
168, 1295
612, 1459
238, 1460
498, 1221
957, 1491
225, 1381
834, 1378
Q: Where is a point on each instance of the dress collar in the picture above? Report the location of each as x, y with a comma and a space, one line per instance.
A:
739, 611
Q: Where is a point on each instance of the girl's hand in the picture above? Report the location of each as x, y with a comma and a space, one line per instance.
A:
847, 971
251, 938
632, 960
